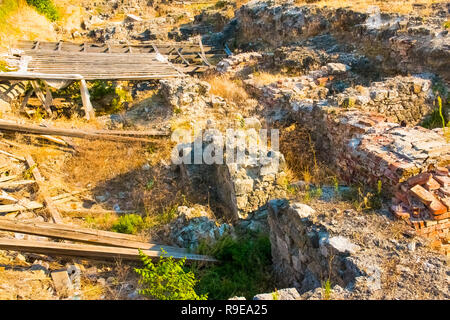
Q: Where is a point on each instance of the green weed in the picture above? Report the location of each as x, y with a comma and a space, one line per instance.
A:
167, 279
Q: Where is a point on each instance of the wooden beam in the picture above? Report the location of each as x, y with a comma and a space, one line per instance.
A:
32, 205
15, 184
12, 155
74, 233
54, 214
76, 133
87, 106
90, 251
41, 97
37, 76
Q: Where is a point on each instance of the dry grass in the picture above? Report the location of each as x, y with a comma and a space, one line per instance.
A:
231, 90
403, 7
99, 161
301, 157
262, 78
20, 21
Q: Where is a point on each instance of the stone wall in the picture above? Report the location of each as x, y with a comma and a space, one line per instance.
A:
363, 146
404, 43
239, 187
304, 253
356, 253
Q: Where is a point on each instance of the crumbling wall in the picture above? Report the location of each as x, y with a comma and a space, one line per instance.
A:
404, 43
404, 100
304, 253
355, 254
240, 187
363, 146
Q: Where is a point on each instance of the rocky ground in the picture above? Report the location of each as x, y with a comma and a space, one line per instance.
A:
305, 70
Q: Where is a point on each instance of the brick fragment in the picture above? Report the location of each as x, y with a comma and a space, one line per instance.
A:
443, 180
441, 216
442, 171
432, 185
446, 202
422, 194
419, 179
400, 211
436, 208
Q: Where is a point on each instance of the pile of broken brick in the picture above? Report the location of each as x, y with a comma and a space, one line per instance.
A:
423, 201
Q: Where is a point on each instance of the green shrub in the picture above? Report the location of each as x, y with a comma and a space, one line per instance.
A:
129, 223
167, 279
45, 7
244, 268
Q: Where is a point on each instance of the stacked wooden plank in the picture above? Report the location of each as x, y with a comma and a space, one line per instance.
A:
107, 245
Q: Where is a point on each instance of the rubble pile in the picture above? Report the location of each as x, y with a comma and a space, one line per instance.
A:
423, 201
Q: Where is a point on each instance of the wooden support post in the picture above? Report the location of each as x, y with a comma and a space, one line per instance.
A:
47, 199
87, 106
41, 96
25, 99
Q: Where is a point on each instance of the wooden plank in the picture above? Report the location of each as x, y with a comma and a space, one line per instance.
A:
7, 178
5, 198
12, 155
54, 214
37, 76
79, 235
15, 184
90, 251
32, 205
8, 126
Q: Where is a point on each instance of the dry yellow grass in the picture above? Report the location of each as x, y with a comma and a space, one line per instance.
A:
263, 78
20, 21
230, 90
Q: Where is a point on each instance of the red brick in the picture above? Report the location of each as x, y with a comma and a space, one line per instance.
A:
432, 185
443, 180
445, 191
446, 202
401, 196
400, 211
443, 226
423, 195
443, 171
419, 179
437, 208
441, 216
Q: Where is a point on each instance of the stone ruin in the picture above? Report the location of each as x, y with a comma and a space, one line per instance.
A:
241, 187
307, 251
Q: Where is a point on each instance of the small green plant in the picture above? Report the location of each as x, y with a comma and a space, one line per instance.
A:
244, 269
150, 184
28, 173
364, 199
167, 279
275, 295
336, 185
45, 7
326, 290
129, 223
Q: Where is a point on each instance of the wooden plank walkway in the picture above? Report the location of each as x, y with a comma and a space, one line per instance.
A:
98, 66
186, 57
